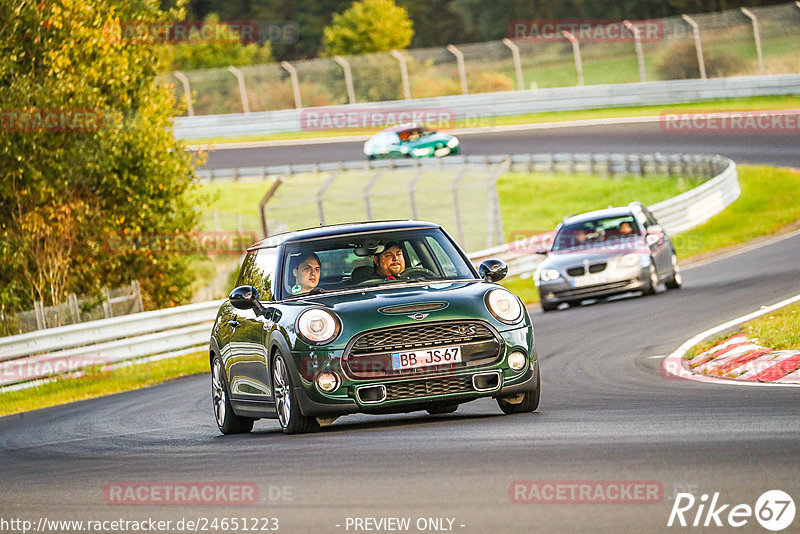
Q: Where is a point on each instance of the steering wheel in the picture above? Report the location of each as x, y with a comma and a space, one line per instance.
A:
418, 272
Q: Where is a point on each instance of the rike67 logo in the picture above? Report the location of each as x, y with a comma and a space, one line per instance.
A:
774, 510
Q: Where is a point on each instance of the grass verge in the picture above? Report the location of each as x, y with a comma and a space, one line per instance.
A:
737, 104
98, 382
777, 331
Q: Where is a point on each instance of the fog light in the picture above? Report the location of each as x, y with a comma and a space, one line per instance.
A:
517, 361
327, 381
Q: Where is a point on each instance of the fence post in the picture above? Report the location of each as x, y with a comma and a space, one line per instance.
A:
456, 207
368, 191
137, 293
242, 89
412, 187
637, 40
263, 205
403, 73
749, 14
576, 51
73, 308
38, 311
288, 67
462, 68
697, 44
321, 195
517, 63
107, 311
348, 78
187, 94
495, 234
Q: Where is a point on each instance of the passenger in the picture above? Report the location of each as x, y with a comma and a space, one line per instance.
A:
307, 271
625, 229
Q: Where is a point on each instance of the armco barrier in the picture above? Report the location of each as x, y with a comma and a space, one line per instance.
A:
506, 103
26, 358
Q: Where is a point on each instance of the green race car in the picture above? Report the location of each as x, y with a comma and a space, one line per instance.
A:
410, 141
316, 329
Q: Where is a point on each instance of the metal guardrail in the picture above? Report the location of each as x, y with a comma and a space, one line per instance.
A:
506, 103
28, 358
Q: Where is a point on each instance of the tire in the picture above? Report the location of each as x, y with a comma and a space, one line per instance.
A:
441, 409
289, 416
652, 283
227, 421
676, 280
530, 402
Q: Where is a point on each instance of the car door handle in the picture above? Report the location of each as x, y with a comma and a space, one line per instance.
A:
234, 323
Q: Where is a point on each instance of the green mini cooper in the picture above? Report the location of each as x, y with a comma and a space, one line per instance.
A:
380, 317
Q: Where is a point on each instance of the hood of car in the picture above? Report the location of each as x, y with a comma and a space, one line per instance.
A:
407, 305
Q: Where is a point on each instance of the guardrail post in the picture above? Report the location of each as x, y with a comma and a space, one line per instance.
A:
697, 44
242, 89
576, 51
187, 93
348, 78
38, 311
749, 14
462, 68
637, 40
517, 63
137, 295
288, 67
403, 73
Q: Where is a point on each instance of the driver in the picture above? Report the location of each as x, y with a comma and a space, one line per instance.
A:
306, 271
390, 263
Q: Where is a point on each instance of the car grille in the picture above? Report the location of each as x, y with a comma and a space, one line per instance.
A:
593, 290
429, 387
368, 355
593, 268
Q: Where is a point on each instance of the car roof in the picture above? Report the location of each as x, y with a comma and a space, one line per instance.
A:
599, 214
339, 230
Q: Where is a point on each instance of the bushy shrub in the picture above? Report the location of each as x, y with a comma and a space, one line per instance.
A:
680, 62
489, 82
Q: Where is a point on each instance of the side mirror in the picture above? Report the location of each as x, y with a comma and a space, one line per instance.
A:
246, 298
542, 251
654, 234
493, 270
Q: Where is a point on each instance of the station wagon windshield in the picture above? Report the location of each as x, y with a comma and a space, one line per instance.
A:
596, 232
354, 261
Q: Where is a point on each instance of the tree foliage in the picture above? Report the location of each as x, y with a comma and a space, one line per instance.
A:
368, 26
108, 165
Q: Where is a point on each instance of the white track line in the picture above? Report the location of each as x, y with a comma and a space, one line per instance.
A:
674, 362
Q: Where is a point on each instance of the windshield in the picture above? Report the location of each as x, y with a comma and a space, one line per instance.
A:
596, 232
414, 134
369, 260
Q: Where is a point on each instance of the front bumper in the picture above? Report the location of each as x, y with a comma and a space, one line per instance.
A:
397, 395
616, 281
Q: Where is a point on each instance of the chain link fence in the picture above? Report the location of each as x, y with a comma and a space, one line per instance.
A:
728, 43
110, 303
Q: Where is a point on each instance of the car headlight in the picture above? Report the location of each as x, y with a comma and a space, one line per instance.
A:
629, 260
421, 151
504, 305
452, 143
546, 275
317, 326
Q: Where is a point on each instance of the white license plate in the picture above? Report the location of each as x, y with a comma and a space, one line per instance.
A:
425, 358
590, 280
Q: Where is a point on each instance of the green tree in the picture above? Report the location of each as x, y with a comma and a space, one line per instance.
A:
226, 49
87, 153
368, 26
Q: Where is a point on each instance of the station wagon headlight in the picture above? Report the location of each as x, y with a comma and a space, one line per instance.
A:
452, 143
546, 275
504, 305
317, 326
